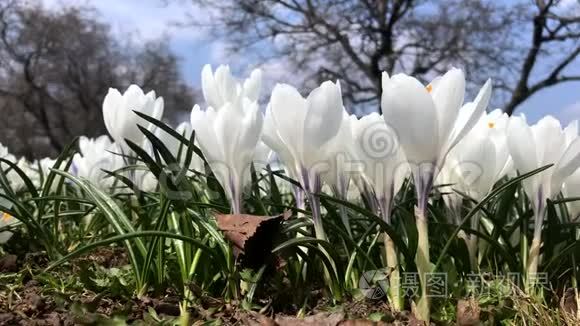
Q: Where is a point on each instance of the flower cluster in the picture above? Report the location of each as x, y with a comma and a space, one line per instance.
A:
427, 135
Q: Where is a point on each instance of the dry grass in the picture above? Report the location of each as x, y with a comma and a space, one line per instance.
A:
531, 312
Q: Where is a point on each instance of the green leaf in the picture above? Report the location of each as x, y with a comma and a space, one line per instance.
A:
477, 207
565, 200
170, 131
128, 236
275, 195
67, 153
399, 243
27, 182
161, 223
159, 146
114, 215
147, 159
509, 257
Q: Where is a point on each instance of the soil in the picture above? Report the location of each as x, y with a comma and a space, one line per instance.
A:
33, 307
32, 304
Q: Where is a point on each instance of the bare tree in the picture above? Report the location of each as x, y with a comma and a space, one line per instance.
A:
56, 67
355, 40
555, 41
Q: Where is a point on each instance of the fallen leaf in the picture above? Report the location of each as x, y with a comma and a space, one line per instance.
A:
319, 319
468, 312
253, 236
8, 263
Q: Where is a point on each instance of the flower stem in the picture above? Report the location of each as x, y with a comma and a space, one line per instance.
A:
391, 259
422, 261
316, 216
321, 235
472, 244
341, 192
236, 200
534, 253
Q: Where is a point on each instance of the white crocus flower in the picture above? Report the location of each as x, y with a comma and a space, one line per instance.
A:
41, 170
253, 85
272, 139
121, 121
178, 149
472, 167
13, 178
3, 151
384, 170
340, 154
532, 147
301, 130
145, 180
95, 156
6, 220
221, 87
536, 146
478, 161
429, 121
16, 181
228, 139
384, 167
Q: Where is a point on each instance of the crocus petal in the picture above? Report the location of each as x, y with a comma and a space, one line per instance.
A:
522, 148
550, 140
202, 123
209, 87
227, 86
571, 131
253, 84
409, 110
522, 145
448, 98
569, 162
572, 189
111, 111
288, 113
272, 139
384, 79
323, 118
468, 116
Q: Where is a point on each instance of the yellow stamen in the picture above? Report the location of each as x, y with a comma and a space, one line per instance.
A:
491, 124
429, 88
6, 217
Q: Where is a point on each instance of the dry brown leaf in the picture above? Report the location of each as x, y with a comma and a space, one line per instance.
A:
253, 236
468, 312
319, 319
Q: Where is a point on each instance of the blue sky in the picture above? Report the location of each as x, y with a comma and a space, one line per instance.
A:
150, 19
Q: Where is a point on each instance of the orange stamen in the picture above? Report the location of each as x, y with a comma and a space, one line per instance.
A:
6, 217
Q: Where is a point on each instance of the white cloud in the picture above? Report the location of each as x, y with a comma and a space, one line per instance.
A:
221, 55
568, 8
152, 19
149, 19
